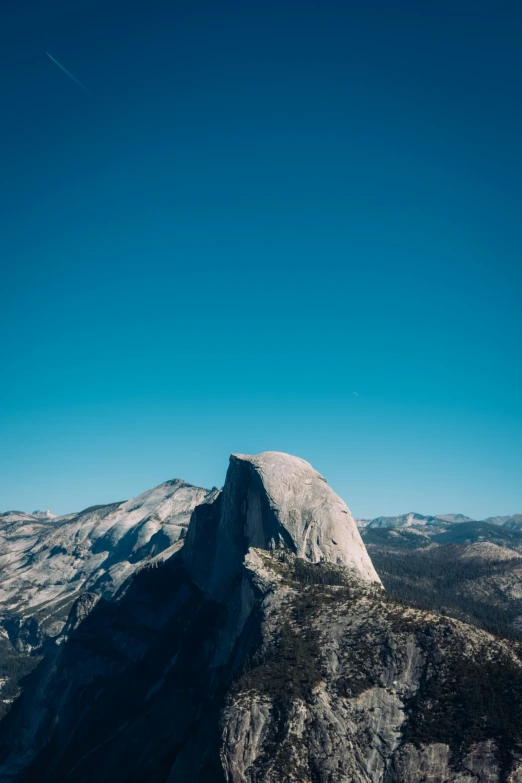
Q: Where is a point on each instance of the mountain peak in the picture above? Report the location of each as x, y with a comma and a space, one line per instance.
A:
272, 501
44, 514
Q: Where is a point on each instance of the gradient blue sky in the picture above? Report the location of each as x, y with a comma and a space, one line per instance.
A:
264, 208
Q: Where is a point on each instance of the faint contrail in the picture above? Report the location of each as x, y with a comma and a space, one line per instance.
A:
69, 74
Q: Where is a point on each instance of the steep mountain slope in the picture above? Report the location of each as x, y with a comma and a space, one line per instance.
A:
265, 650
272, 499
46, 562
349, 685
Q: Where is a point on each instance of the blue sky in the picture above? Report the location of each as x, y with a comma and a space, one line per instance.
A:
263, 208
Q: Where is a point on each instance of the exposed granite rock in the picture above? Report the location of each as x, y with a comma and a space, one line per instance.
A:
350, 686
82, 607
272, 501
46, 562
433, 763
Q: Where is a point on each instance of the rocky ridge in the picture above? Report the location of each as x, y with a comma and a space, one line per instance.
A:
432, 525
46, 562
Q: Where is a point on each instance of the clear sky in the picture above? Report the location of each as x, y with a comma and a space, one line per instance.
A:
274, 225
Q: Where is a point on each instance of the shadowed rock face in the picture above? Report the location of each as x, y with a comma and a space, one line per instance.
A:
47, 562
273, 501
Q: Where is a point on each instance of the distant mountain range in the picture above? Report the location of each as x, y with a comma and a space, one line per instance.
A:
439, 521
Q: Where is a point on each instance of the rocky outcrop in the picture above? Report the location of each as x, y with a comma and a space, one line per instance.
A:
273, 501
350, 686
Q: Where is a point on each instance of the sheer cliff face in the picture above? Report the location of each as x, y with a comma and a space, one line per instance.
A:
274, 501
266, 651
